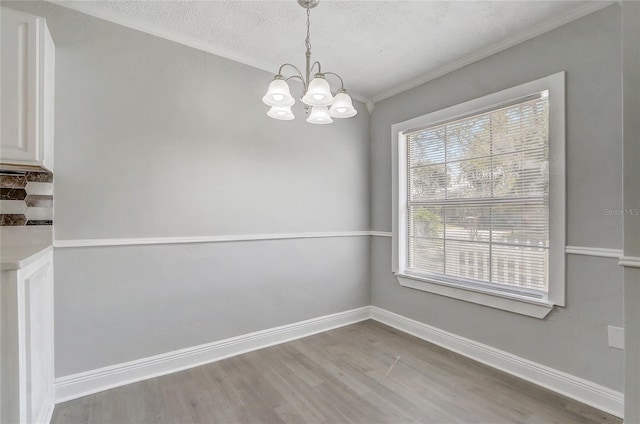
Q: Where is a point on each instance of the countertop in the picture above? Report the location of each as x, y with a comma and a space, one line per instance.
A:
21, 256
21, 246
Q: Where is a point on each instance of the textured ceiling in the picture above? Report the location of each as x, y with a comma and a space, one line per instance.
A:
378, 47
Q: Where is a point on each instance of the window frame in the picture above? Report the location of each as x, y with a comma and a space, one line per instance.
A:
539, 308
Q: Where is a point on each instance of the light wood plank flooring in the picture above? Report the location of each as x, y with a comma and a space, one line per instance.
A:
362, 373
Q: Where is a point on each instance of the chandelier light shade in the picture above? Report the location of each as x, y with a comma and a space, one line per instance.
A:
318, 93
319, 115
278, 93
342, 106
319, 102
282, 113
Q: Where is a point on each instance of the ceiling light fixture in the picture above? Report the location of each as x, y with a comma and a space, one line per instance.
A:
320, 104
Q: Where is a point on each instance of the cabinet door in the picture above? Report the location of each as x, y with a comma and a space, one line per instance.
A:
19, 138
38, 346
26, 354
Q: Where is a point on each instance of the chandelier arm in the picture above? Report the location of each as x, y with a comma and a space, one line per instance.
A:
292, 66
319, 67
279, 93
339, 77
304, 84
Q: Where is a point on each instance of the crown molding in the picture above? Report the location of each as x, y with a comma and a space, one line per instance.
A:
196, 43
370, 106
187, 40
139, 25
549, 25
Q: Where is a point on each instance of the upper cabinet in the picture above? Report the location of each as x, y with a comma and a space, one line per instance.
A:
27, 74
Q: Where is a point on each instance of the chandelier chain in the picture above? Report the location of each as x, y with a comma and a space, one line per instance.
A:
307, 41
319, 102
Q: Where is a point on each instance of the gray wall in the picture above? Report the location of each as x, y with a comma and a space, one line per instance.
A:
571, 339
157, 139
146, 148
117, 304
631, 153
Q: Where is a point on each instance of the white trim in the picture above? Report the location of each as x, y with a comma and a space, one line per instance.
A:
601, 252
548, 25
135, 241
86, 383
161, 32
49, 414
493, 299
594, 251
380, 233
582, 390
555, 84
89, 382
629, 261
370, 106
196, 43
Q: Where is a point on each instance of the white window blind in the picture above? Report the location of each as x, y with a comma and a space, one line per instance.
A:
477, 200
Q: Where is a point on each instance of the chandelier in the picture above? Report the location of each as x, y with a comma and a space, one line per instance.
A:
319, 103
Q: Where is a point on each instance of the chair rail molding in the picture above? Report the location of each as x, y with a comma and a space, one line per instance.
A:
594, 251
381, 234
135, 241
629, 261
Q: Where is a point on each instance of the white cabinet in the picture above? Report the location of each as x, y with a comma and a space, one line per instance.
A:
26, 354
27, 74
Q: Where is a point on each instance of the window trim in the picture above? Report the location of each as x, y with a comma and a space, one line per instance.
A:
555, 84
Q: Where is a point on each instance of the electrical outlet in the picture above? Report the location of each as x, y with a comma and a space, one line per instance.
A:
616, 337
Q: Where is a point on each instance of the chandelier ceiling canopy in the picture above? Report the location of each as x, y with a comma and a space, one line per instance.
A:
320, 104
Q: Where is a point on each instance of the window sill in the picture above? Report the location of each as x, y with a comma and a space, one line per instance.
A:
522, 306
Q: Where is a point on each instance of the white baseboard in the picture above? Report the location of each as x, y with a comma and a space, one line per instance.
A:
584, 391
49, 414
86, 383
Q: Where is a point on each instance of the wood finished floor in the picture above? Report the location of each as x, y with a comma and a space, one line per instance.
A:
345, 375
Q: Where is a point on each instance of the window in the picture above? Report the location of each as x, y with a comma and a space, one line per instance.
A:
479, 199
